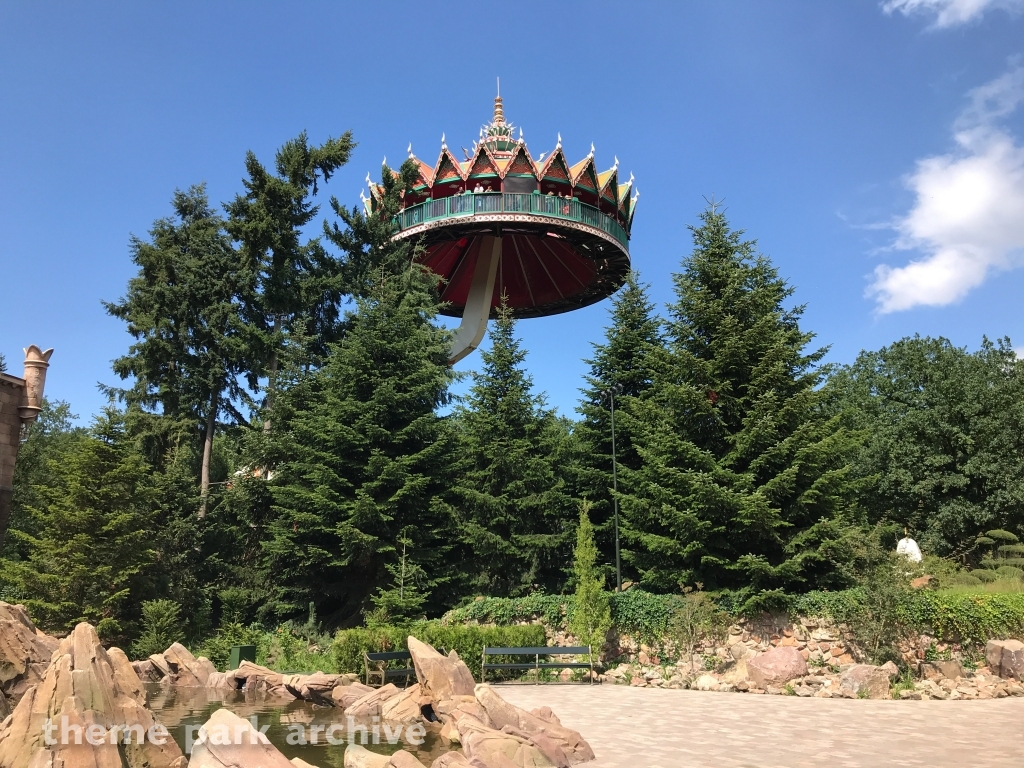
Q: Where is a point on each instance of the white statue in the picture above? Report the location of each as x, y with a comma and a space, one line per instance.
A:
908, 548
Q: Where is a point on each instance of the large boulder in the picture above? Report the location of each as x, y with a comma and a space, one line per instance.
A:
776, 666
228, 741
370, 704
492, 748
184, 669
560, 745
357, 756
95, 690
403, 708
941, 670
866, 681
440, 677
1006, 658
25, 651
344, 696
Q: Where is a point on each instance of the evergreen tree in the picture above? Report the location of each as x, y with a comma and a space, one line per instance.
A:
742, 477
592, 615
92, 556
192, 343
623, 359
403, 600
516, 516
295, 280
361, 459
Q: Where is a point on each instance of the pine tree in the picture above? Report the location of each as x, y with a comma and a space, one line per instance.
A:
360, 457
623, 359
295, 279
742, 477
516, 516
92, 557
193, 347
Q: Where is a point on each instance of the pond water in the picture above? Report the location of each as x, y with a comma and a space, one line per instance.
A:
183, 710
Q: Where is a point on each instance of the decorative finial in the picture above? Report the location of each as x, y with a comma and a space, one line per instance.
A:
540, 157
384, 161
559, 145
362, 195
369, 183
591, 149
630, 177
499, 110
520, 134
616, 162
443, 145
409, 150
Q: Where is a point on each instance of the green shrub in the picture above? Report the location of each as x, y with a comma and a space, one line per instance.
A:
161, 626
984, 576
218, 647
969, 579
1010, 572
469, 641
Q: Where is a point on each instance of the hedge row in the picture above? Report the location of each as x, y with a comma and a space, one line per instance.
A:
468, 640
971, 618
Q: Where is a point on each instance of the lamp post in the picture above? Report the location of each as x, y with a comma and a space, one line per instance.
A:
609, 395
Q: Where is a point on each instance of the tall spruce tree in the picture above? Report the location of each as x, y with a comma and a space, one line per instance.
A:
623, 359
193, 347
516, 516
295, 280
742, 476
361, 458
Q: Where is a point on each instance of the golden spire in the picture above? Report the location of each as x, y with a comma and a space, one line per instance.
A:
499, 110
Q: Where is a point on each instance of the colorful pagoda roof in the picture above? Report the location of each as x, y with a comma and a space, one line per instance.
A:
499, 161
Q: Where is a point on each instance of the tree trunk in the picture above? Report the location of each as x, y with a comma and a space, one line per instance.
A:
204, 476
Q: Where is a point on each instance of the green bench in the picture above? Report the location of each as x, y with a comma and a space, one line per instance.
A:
377, 666
537, 664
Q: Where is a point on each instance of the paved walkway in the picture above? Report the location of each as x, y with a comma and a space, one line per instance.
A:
654, 728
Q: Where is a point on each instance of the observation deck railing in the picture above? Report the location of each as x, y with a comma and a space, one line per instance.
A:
466, 205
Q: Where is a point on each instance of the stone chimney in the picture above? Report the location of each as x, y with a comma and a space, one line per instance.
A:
21, 400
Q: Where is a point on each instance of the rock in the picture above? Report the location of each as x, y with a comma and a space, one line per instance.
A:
705, 683
1006, 658
370, 703
643, 659
402, 759
357, 756
253, 677
865, 678
891, 669
92, 688
740, 651
147, 671
317, 688
403, 708
4, 709
440, 677
921, 582
490, 748
938, 670
298, 762
244, 746
184, 669
25, 651
345, 696
540, 725
776, 667
450, 760
737, 673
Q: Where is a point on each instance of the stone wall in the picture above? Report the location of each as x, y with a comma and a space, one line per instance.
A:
21, 400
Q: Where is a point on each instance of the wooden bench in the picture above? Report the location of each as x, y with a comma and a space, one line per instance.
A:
376, 666
537, 664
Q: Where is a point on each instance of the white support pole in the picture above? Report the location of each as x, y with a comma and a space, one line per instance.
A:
478, 303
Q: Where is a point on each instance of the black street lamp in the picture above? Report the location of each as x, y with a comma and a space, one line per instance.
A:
609, 395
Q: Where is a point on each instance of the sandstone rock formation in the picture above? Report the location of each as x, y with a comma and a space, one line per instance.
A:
940, 670
180, 667
87, 693
1006, 658
541, 726
228, 741
345, 696
450, 760
776, 667
441, 678
866, 680
24, 651
369, 704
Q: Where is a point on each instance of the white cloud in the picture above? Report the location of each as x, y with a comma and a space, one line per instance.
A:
949, 13
968, 215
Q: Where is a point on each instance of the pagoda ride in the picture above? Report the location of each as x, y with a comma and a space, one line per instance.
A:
549, 236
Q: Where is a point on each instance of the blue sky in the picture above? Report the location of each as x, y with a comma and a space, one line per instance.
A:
875, 150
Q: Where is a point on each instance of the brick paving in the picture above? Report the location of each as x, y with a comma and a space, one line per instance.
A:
655, 728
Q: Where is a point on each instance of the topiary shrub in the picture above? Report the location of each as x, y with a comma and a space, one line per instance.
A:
1010, 572
986, 577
